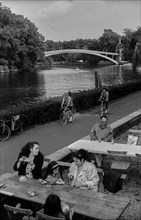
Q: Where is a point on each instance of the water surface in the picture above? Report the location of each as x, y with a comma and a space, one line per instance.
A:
28, 87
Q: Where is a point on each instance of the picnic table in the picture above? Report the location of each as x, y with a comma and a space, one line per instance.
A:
102, 147
92, 204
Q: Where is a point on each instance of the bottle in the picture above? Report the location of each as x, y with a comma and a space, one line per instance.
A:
99, 139
112, 140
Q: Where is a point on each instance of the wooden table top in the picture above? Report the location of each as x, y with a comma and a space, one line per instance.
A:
85, 202
102, 147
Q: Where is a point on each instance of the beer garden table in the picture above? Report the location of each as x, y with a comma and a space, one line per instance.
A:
102, 147
93, 204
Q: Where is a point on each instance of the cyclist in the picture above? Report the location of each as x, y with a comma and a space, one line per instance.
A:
67, 102
105, 98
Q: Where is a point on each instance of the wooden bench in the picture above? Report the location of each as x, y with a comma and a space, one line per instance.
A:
135, 131
45, 164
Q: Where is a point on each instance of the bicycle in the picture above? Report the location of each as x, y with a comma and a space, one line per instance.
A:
7, 127
102, 110
67, 116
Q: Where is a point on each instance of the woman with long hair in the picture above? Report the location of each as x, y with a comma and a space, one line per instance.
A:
53, 207
30, 161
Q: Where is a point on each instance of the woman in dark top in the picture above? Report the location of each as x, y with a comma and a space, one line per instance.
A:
30, 161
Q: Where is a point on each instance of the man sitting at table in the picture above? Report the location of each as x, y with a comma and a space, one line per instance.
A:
101, 132
82, 173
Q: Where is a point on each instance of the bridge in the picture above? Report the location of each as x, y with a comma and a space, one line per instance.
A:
105, 55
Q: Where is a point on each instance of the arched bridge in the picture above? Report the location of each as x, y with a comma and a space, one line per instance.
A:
102, 54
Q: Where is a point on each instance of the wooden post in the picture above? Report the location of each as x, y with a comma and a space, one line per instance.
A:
97, 80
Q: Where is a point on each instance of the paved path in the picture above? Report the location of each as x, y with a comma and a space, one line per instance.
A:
53, 137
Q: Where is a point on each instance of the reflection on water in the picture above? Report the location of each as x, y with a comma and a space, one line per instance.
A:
29, 87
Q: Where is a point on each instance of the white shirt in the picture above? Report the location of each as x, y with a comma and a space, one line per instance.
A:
87, 174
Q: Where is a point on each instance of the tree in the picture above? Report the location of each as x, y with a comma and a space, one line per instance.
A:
126, 40
132, 46
20, 42
109, 40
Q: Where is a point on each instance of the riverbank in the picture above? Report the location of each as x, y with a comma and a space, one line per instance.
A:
4, 69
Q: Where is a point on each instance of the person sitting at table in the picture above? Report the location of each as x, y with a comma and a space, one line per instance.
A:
30, 161
53, 173
101, 132
82, 172
54, 207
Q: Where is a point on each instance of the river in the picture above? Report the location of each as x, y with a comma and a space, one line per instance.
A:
18, 88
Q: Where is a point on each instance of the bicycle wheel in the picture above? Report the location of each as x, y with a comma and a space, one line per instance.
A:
71, 117
18, 128
4, 133
63, 118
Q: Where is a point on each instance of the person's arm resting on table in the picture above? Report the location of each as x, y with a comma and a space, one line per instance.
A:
92, 134
109, 136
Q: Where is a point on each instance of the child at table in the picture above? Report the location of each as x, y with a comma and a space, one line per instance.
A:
53, 174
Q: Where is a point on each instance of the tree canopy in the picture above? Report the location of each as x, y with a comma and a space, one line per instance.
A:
21, 45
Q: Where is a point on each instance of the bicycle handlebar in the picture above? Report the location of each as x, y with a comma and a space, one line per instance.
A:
64, 109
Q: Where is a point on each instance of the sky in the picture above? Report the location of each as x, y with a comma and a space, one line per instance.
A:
64, 20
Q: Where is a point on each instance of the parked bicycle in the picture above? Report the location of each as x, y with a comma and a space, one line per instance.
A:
102, 110
67, 116
9, 126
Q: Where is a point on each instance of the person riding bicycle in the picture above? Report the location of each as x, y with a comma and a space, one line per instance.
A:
105, 98
67, 102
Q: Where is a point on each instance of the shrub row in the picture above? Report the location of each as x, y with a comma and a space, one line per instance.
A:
49, 110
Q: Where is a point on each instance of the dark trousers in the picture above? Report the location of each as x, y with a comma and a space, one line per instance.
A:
105, 103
